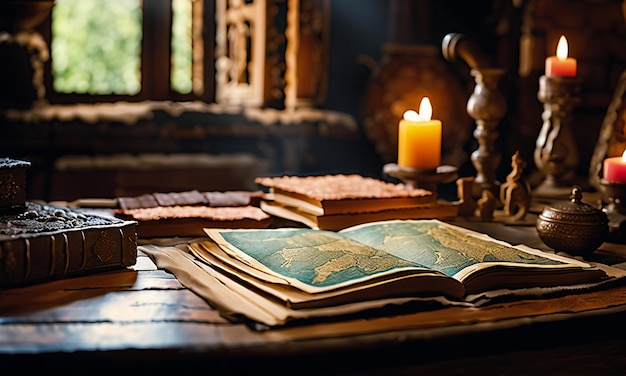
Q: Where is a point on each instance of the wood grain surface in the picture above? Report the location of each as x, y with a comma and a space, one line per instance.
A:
143, 319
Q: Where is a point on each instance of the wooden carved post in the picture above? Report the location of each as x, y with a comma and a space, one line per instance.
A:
487, 106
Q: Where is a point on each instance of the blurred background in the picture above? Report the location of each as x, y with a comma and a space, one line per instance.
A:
108, 98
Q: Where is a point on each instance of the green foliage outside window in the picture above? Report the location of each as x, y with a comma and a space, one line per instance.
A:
181, 46
96, 46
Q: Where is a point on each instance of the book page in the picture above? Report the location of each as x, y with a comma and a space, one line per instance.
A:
312, 260
236, 301
450, 249
429, 284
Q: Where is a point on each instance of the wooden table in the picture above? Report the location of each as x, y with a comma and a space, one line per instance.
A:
143, 320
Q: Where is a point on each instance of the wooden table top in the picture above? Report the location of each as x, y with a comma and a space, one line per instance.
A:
143, 319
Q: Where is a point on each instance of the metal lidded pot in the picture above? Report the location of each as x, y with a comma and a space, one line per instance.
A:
573, 227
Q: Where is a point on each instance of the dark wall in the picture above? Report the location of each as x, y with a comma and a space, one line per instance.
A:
358, 32
360, 29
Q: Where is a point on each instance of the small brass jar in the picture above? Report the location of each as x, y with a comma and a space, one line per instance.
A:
573, 227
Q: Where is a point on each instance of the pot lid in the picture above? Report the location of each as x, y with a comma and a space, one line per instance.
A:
574, 211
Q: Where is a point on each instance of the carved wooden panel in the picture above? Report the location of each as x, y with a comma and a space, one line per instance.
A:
272, 52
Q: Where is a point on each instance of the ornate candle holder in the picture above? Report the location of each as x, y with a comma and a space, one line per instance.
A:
419, 178
615, 209
487, 106
555, 153
615, 196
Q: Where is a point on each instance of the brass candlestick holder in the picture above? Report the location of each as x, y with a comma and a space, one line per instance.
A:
419, 178
555, 153
615, 197
487, 106
615, 209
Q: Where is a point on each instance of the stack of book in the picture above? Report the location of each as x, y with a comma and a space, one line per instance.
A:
334, 202
281, 276
187, 213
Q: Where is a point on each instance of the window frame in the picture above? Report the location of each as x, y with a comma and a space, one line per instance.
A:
155, 59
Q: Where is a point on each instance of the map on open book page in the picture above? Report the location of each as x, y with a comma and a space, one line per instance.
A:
315, 260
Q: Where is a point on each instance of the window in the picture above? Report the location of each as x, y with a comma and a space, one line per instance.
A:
238, 52
133, 50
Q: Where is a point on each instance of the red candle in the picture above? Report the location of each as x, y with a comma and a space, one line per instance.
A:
615, 169
561, 65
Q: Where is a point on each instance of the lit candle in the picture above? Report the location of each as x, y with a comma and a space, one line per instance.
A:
419, 138
615, 169
561, 65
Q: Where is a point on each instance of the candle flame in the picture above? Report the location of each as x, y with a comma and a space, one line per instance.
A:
426, 110
561, 48
624, 157
411, 115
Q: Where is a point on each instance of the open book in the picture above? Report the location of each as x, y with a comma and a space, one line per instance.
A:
307, 268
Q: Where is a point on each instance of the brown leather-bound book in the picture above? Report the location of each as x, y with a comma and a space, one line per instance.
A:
186, 214
45, 242
342, 194
340, 221
171, 221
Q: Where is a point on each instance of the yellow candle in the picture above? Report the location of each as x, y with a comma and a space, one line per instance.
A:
419, 138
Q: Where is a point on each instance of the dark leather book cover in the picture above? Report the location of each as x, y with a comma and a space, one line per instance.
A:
45, 242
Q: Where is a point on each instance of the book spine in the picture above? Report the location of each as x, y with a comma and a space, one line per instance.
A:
43, 258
